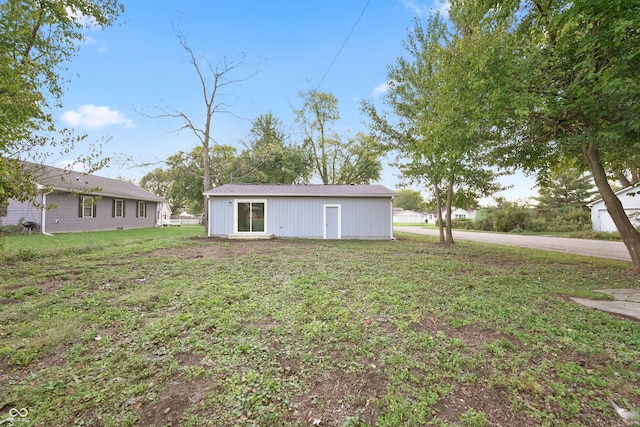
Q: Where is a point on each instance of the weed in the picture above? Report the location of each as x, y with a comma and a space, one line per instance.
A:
473, 418
288, 332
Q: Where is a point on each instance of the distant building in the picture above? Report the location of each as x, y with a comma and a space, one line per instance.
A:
74, 201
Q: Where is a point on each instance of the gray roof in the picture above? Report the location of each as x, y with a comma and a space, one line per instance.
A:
308, 190
79, 182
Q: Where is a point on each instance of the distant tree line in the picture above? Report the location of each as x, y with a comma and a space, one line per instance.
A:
270, 157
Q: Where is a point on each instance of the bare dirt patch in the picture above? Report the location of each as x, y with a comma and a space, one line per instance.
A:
334, 398
493, 402
189, 359
173, 401
222, 248
50, 286
469, 335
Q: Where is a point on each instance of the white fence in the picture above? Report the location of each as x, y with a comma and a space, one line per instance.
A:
181, 221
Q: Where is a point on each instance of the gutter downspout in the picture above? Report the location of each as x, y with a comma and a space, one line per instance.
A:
391, 208
44, 210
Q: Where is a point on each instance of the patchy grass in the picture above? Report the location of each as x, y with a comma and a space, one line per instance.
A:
161, 327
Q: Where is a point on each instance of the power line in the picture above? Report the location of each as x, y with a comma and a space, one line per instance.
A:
335, 58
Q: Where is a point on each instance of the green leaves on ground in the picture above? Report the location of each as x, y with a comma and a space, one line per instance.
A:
150, 327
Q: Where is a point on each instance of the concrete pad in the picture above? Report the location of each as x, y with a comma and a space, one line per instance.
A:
627, 302
631, 295
249, 236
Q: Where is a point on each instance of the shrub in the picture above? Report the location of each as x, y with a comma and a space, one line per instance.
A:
512, 218
485, 224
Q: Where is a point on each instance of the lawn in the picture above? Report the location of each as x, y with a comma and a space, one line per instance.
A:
166, 327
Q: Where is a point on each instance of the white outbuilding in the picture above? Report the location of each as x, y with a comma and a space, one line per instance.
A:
630, 199
408, 217
258, 211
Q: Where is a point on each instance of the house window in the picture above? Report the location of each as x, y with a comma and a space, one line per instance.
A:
118, 208
251, 216
88, 207
142, 210
3, 209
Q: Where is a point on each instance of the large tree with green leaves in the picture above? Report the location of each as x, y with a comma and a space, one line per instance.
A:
434, 131
37, 40
561, 87
565, 189
180, 181
268, 158
410, 200
336, 160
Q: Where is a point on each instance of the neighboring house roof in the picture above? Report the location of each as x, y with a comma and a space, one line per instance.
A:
308, 190
79, 182
635, 187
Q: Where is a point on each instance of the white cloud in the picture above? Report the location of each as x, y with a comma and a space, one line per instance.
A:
380, 90
95, 117
101, 45
417, 8
85, 21
441, 6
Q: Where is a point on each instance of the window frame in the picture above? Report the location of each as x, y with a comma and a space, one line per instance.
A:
141, 211
115, 208
88, 203
236, 202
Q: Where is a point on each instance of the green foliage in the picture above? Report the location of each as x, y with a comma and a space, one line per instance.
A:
409, 200
566, 189
473, 418
23, 357
558, 87
510, 218
37, 40
336, 161
110, 328
435, 132
181, 182
269, 159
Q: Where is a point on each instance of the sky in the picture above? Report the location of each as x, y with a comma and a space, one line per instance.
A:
137, 68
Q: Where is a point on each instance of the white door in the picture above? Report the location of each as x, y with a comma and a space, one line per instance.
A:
332, 229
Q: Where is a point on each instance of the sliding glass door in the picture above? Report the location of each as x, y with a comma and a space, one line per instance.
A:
250, 216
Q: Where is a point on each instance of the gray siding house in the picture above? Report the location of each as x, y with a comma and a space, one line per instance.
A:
74, 201
307, 211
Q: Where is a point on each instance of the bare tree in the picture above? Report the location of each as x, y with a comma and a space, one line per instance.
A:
213, 78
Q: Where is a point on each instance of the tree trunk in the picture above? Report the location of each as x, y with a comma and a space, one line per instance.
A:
630, 236
436, 189
449, 201
624, 181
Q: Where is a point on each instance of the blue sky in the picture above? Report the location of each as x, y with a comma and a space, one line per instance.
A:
138, 66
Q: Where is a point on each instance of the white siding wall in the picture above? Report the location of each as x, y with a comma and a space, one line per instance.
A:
600, 218
361, 217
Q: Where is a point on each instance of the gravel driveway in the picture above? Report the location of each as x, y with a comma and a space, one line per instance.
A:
595, 248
